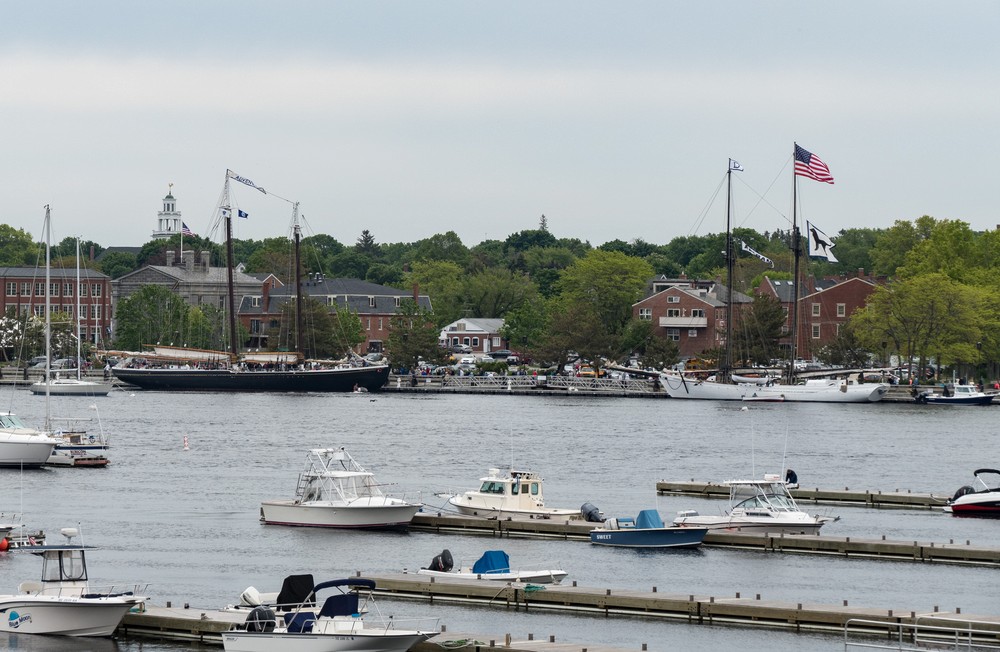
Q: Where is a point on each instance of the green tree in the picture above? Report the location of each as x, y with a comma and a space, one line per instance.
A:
442, 246
656, 351
153, 314
412, 336
367, 246
17, 247
757, 331
893, 244
607, 281
575, 327
845, 350
118, 263
273, 256
442, 282
495, 292
325, 333
525, 327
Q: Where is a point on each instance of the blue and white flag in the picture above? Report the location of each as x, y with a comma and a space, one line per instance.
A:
820, 244
754, 252
244, 180
226, 212
735, 165
242, 214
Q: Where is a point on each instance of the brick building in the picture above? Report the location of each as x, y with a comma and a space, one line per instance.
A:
24, 291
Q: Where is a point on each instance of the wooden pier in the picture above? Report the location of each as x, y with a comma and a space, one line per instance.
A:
575, 530
866, 497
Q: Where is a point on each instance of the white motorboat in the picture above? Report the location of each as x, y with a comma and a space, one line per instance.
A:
64, 602
758, 506
516, 493
824, 390
336, 491
21, 446
343, 624
981, 498
493, 565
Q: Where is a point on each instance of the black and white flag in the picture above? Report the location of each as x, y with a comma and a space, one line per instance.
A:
753, 252
820, 245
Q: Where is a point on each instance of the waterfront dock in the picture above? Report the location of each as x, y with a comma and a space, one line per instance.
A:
861, 497
206, 626
951, 552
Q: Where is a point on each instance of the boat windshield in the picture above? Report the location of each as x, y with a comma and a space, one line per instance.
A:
64, 565
491, 487
10, 421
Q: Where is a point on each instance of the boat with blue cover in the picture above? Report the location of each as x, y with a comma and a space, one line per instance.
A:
647, 530
493, 565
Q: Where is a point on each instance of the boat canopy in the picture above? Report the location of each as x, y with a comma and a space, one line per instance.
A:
492, 561
351, 581
993, 471
648, 518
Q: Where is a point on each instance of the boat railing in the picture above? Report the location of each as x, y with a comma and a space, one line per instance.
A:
420, 624
860, 633
88, 591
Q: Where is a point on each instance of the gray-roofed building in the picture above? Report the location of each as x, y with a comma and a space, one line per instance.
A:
374, 304
24, 291
481, 334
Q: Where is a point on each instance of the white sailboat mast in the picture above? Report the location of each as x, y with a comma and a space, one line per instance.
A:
48, 314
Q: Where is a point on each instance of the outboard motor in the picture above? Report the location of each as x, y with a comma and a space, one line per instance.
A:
442, 562
260, 619
962, 491
591, 514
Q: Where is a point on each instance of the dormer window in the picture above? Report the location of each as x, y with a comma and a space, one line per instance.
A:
371, 302
397, 301
255, 302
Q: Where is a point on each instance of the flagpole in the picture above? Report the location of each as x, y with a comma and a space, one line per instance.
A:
797, 252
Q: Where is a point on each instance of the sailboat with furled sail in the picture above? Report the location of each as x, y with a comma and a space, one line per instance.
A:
169, 368
827, 390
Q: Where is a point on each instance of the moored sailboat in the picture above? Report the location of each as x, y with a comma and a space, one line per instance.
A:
190, 369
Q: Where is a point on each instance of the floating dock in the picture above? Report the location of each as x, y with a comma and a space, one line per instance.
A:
867, 497
575, 530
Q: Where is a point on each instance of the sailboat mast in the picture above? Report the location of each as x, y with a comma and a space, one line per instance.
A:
48, 315
76, 318
727, 360
230, 285
299, 321
797, 255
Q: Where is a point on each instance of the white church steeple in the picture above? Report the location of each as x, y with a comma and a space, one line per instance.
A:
168, 221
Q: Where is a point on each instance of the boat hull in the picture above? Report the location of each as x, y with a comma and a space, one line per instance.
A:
288, 512
725, 524
69, 387
486, 511
381, 641
811, 392
25, 451
67, 616
665, 537
937, 399
371, 378
533, 577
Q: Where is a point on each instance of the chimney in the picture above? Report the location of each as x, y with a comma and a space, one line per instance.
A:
267, 297
188, 260
204, 261
92, 252
861, 272
416, 293
170, 258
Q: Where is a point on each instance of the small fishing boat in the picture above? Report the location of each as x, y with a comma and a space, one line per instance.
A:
647, 530
493, 565
335, 491
981, 498
64, 603
343, 624
955, 395
758, 506
515, 493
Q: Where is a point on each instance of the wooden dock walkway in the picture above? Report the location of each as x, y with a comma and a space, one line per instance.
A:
205, 626
916, 551
866, 497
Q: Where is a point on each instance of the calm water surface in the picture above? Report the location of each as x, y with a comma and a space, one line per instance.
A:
187, 521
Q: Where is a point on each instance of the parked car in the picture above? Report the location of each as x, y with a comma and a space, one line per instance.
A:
485, 358
467, 360
586, 371
460, 348
502, 353
512, 360
38, 361
64, 363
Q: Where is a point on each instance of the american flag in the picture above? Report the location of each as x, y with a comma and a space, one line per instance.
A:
185, 230
808, 164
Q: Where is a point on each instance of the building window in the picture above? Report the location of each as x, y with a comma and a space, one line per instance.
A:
815, 309
83, 289
11, 288
673, 312
39, 289
95, 290
673, 299
371, 302
838, 328
674, 334
39, 311
25, 289
815, 331
398, 299
496, 342
465, 341
645, 313
697, 312
841, 309
95, 311
53, 289
274, 323
692, 332
380, 323
454, 341
83, 313
255, 303
475, 342
369, 326
67, 289
255, 326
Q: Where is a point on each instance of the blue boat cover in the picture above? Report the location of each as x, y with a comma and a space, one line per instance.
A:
492, 561
648, 518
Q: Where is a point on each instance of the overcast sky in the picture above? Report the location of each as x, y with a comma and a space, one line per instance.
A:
409, 118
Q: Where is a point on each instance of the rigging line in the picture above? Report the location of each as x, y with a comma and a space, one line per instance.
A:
761, 199
704, 211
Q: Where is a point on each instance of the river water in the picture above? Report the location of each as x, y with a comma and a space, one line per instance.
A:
186, 522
